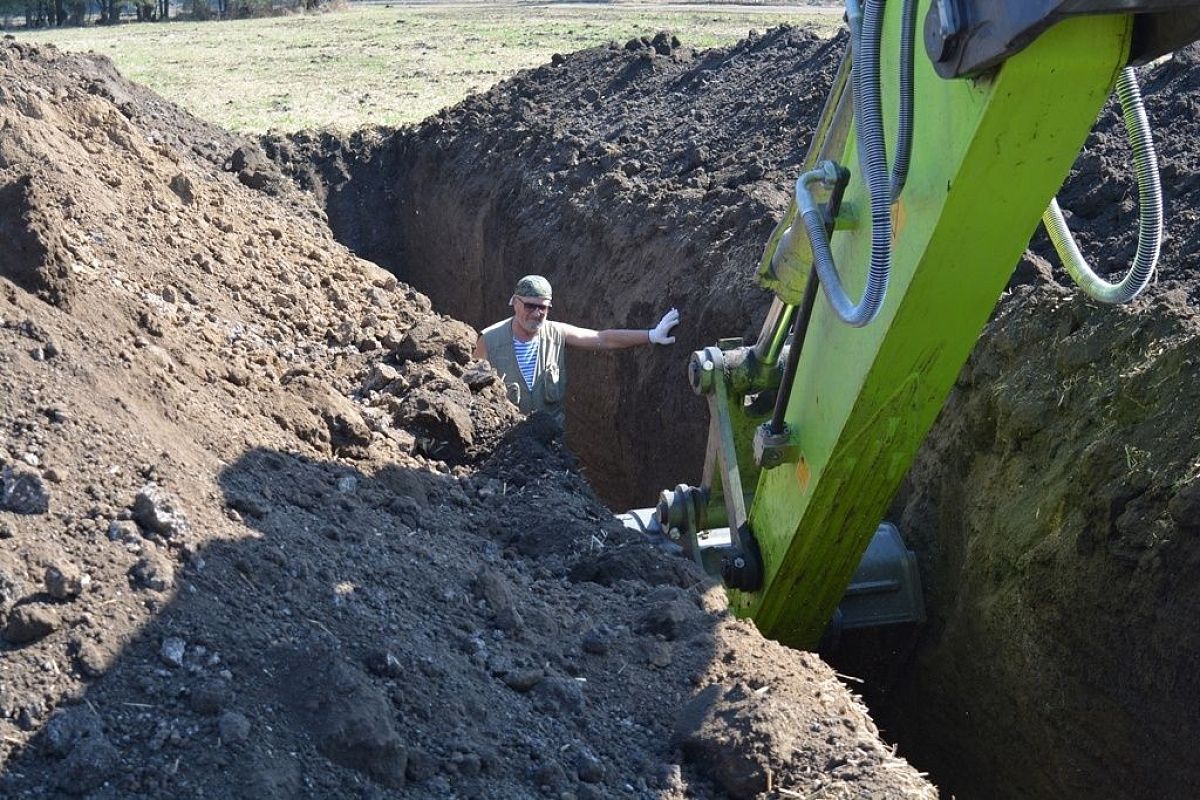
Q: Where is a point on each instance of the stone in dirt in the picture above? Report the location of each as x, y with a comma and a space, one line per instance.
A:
153, 571
64, 581
159, 513
172, 651
93, 658
24, 493
11, 589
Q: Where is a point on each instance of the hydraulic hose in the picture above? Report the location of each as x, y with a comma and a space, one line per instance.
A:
1150, 215
865, 30
827, 173
904, 126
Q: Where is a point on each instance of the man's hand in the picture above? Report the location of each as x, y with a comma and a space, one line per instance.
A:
659, 333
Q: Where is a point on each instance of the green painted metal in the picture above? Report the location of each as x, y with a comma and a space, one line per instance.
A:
988, 155
730, 452
787, 259
776, 338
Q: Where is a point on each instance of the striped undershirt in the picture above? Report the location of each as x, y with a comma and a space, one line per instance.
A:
527, 354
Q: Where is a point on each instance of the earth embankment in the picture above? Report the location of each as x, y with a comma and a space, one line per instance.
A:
1057, 506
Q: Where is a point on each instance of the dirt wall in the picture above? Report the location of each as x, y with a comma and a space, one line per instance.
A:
1057, 505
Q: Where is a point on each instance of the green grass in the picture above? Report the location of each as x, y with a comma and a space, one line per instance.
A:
378, 64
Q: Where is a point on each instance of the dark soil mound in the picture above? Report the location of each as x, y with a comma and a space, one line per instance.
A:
266, 532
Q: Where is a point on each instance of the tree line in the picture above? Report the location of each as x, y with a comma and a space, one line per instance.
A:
63, 13
67, 13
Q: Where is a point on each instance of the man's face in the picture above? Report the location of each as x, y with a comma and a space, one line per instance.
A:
530, 312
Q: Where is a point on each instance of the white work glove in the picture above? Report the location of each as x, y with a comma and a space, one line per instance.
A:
658, 334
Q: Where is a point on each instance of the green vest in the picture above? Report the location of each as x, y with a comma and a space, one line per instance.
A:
549, 389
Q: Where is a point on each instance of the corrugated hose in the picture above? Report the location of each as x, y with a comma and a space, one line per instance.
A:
866, 24
1150, 215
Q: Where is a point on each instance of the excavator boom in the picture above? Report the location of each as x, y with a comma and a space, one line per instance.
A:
814, 427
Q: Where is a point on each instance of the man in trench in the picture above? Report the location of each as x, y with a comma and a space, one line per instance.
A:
529, 351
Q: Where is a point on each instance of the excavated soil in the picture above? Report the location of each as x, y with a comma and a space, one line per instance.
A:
1055, 507
267, 532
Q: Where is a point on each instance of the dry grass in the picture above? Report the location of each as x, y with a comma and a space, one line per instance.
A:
387, 64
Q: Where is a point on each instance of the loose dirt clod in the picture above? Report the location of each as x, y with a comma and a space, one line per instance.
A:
324, 559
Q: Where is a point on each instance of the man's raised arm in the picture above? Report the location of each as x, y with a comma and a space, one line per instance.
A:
620, 338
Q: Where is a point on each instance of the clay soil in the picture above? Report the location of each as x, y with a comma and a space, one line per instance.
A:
269, 532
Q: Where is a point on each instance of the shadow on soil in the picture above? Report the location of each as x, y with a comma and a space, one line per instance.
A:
474, 637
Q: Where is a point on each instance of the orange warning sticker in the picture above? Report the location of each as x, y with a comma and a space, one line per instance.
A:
803, 474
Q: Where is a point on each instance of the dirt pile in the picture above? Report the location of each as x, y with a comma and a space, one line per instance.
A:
1054, 505
267, 532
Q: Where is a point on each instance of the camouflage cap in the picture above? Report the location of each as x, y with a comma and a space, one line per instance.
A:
533, 286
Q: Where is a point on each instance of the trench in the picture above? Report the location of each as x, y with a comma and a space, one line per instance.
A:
464, 239
633, 421
1058, 659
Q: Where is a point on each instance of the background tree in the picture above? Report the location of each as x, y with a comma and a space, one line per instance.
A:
10, 9
110, 12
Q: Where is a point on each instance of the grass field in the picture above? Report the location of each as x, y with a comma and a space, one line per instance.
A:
388, 64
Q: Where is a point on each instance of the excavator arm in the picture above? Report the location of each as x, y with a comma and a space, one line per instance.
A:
884, 276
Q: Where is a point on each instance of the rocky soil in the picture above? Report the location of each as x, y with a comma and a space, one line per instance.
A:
267, 532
